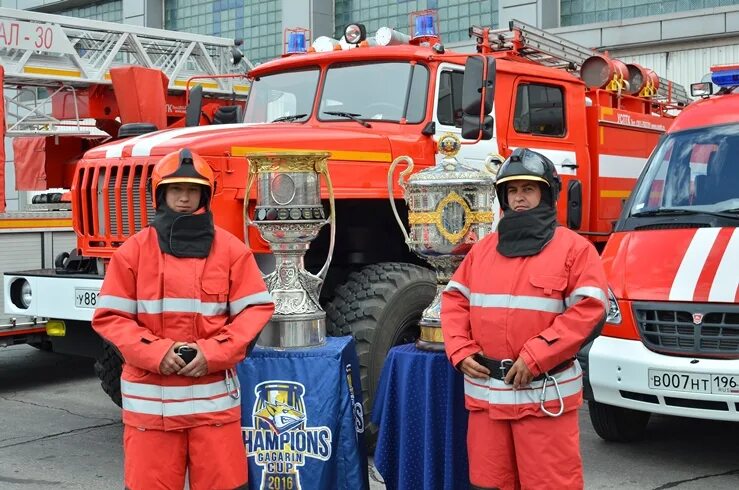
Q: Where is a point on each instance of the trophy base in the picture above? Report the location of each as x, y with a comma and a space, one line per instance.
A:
294, 331
430, 339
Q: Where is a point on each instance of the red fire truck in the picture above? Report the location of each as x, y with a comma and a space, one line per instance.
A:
671, 341
67, 85
367, 100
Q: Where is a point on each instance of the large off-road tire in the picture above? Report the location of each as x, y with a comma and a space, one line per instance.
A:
380, 305
617, 424
108, 368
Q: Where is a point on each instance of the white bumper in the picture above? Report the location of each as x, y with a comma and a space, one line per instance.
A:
52, 296
618, 367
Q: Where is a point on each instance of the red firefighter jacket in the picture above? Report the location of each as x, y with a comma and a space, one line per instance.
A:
540, 308
150, 299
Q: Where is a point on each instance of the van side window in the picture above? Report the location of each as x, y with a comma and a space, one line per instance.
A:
539, 110
449, 107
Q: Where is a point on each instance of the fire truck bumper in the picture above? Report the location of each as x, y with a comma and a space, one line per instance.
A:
624, 373
44, 293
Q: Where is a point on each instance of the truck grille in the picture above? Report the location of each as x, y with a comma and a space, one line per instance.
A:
700, 329
114, 202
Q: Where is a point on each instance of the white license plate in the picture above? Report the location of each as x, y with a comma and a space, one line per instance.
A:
86, 297
718, 384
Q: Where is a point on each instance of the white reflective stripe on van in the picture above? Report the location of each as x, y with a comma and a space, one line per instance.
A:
175, 408
238, 305
146, 390
535, 303
587, 292
181, 305
117, 303
496, 392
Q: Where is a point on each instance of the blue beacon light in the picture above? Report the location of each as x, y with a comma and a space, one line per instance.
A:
726, 78
425, 26
296, 43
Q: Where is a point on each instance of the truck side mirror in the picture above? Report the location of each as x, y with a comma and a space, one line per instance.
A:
194, 107
477, 87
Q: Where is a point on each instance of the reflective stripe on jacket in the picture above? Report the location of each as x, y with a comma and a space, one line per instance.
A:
541, 308
149, 300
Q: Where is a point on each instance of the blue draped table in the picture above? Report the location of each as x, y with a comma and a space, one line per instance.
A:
301, 415
419, 408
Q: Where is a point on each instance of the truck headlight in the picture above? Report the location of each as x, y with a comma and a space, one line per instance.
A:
614, 312
21, 294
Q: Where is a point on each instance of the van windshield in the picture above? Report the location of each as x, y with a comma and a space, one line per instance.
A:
691, 172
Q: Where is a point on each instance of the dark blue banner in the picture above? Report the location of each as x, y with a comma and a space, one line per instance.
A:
302, 418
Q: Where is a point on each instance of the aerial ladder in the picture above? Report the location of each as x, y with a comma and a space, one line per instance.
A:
60, 99
547, 49
63, 53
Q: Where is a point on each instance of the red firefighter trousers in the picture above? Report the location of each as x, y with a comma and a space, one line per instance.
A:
214, 455
531, 453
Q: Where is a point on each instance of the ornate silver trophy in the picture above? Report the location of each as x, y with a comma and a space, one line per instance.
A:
289, 215
449, 210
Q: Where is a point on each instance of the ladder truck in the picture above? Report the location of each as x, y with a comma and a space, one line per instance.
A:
69, 85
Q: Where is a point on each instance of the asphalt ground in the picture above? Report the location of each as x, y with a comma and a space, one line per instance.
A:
59, 430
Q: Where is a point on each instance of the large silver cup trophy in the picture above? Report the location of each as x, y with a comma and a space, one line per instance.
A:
289, 214
450, 208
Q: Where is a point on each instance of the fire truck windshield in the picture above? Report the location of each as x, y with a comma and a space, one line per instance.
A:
692, 172
388, 91
284, 96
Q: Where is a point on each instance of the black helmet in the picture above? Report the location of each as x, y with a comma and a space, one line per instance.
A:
525, 164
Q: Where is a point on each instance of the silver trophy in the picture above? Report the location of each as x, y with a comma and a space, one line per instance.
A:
450, 208
289, 215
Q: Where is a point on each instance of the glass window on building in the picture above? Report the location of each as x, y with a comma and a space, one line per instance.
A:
539, 110
576, 12
455, 16
259, 24
109, 11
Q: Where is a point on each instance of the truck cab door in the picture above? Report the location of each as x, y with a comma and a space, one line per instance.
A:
548, 116
447, 115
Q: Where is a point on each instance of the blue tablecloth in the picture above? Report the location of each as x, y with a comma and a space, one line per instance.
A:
302, 418
419, 408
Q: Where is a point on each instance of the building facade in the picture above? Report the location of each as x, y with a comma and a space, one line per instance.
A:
679, 39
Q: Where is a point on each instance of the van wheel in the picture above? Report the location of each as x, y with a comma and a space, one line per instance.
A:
617, 424
380, 305
108, 368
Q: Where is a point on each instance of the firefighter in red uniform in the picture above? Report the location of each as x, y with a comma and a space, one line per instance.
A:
513, 317
182, 284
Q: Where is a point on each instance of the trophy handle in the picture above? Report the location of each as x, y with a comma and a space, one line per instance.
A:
252, 172
402, 184
493, 162
322, 168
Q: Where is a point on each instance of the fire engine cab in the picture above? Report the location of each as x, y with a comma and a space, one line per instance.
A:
671, 340
367, 100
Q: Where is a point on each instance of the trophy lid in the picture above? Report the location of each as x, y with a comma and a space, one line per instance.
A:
450, 170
